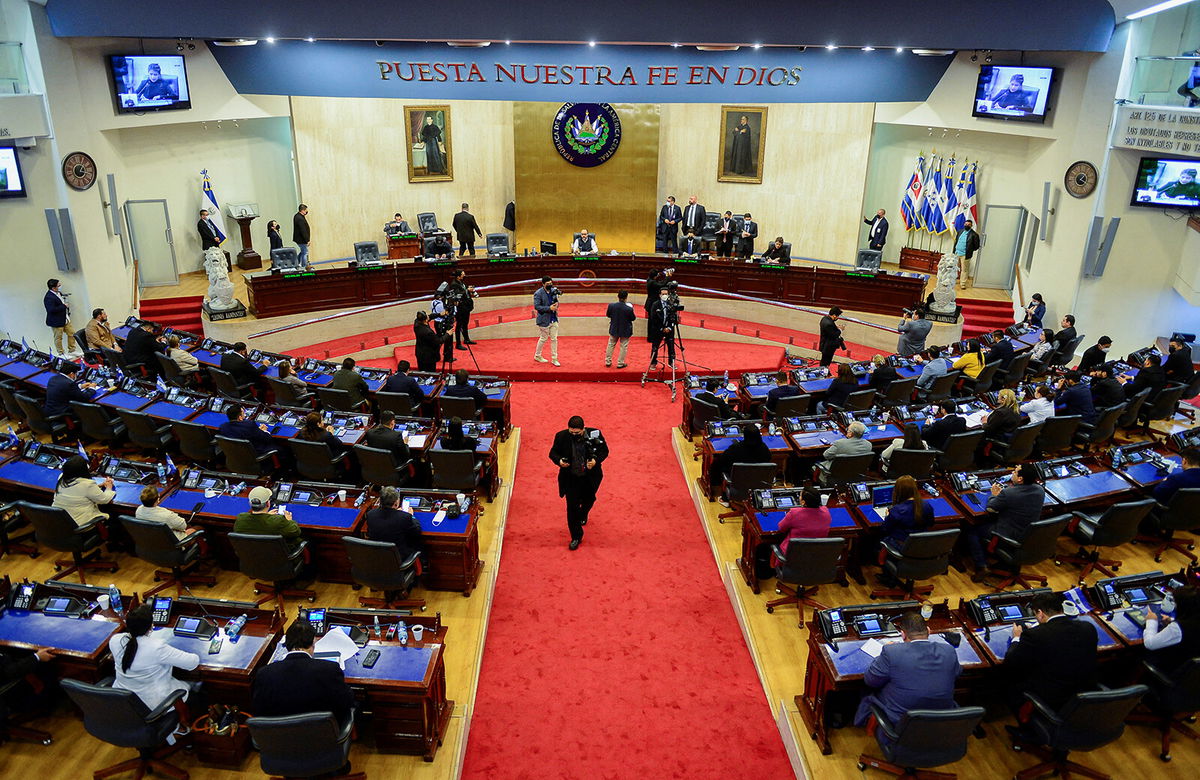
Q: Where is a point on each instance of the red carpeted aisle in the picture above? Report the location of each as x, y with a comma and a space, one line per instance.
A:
621, 659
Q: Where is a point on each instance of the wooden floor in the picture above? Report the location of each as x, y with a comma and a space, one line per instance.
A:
75, 754
780, 652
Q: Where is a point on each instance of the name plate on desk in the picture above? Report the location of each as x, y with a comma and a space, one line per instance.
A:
587, 257
502, 259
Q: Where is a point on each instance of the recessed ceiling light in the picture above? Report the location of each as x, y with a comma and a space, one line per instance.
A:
270, 40
899, 49
830, 47
758, 45
508, 43
1156, 8
591, 43
868, 48
310, 40
674, 45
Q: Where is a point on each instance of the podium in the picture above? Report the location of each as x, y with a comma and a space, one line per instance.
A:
247, 259
923, 260
403, 247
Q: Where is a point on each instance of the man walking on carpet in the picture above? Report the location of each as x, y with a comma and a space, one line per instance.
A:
578, 452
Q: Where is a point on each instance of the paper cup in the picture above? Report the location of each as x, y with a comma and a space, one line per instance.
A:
210, 493
341, 495
102, 600
418, 630
824, 499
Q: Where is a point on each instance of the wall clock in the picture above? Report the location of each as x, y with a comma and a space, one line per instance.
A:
79, 170
1080, 179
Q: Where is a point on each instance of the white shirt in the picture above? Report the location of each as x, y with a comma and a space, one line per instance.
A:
82, 500
1038, 409
149, 675
1154, 639
159, 514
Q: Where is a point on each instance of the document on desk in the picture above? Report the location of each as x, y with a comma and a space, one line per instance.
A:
872, 647
975, 419
416, 440
337, 642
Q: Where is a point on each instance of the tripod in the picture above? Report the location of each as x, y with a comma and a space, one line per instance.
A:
661, 374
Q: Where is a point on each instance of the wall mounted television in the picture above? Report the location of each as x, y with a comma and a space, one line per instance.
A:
12, 182
154, 82
1013, 92
1166, 182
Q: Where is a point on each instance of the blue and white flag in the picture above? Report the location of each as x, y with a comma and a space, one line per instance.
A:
24, 343
171, 467
208, 200
950, 201
922, 203
11, 441
82, 452
935, 216
160, 384
971, 207
959, 217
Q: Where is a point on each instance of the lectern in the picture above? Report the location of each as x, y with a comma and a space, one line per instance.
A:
247, 259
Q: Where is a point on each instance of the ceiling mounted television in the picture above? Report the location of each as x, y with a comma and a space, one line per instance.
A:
154, 82
1013, 92
12, 183
1167, 182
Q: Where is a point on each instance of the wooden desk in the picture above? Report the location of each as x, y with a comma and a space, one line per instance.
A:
451, 546
759, 527
710, 448
403, 247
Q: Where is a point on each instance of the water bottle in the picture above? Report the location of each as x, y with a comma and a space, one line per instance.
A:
114, 599
726, 377
234, 629
402, 633
1167, 605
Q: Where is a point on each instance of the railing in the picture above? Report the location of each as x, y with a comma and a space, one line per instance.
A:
13, 78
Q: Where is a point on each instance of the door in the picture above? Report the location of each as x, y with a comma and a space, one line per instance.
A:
1000, 243
151, 242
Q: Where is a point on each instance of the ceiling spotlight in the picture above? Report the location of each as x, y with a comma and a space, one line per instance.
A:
899, 49
975, 57
191, 47
508, 43
674, 45
758, 45
830, 47
591, 43
179, 46
270, 40
868, 48
310, 40
988, 57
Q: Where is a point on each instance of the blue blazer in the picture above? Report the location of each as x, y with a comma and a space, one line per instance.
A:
620, 319
902, 521
1182, 478
60, 392
911, 676
542, 301
56, 310
403, 383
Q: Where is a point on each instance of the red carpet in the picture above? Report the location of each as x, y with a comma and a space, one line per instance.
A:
181, 313
981, 316
622, 659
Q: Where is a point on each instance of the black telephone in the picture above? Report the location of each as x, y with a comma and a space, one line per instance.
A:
283, 493
765, 500
1107, 595
21, 596
860, 492
191, 478
217, 404
831, 623
985, 613
316, 618
845, 418
162, 610
32, 448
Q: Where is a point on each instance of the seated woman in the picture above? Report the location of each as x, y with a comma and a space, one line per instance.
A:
908, 513
288, 374
810, 520
911, 440
315, 429
1044, 346
184, 359
144, 663
455, 439
882, 374
1004, 419
1041, 406
972, 362
150, 511
775, 252
843, 385
749, 449
79, 494
1171, 643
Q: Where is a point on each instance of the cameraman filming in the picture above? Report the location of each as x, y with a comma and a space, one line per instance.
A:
664, 318
545, 303
442, 316
914, 328
460, 297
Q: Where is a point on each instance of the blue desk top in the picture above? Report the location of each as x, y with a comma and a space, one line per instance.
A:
1001, 637
25, 473
850, 659
182, 501
813, 439
284, 431
890, 431
1128, 630
128, 493
20, 369
977, 500
206, 357
840, 519
233, 655
1147, 473
816, 385
41, 380
759, 391
774, 443
62, 633
450, 525
122, 400
310, 516
165, 410
407, 663
121, 332
1081, 488
316, 378
942, 509
210, 419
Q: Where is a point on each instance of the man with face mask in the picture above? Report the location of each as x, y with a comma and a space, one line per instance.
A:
545, 303
1178, 366
578, 452
663, 319
1095, 355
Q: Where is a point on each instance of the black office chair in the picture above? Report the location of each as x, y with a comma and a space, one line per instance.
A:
315, 460
119, 717
378, 566
1037, 546
1094, 436
56, 529
455, 470
1191, 391
790, 406
157, 544
227, 386
116, 359
400, 404
703, 413
1182, 513
1066, 353
900, 391
271, 558
309, 745
1015, 372
1087, 721
145, 432
379, 466
941, 388
1172, 703
338, 400
923, 554
242, 458
808, 564
1019, 447
15, 531
917, 464
982, 383
39, 422
8, 394
80, 338
97, 424
845, 468
1133, 407
1115, 526
1163, 406
287, 394
858, 401
456, 406
1058, 433
427, 223
196, 442
743, 479
959, 454
921, 739
169, 370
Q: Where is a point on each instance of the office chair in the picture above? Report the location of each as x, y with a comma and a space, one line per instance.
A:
959, 454
941, 388
56, 529
80, 338
10, 728
1064, 354
1087, 721
227, 386
496, 243
982, 383
117, 359
743, 480
1182, 513
270, 557
845, 468
808, 564
287, 394
96, 423
1094, 436
703, 413
1163, 406
380, 468
309, 745
144, 432
858, 401
242, 458
455, 470
378, 566
1133, 407
456, 406
1173, 700
922, 555
15, 530
315, 460
366, 251
1019, 447
900, 391
157, 544
339, 400
196, 442
1015, 373
1058, 434
921, 739
917, 464
400, 404
39, 422
791, 406
169, 370
1115, 526
119, 718
8, 394
1037, 546
427, 223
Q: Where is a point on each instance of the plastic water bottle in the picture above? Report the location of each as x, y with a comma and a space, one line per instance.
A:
114, 599
402, 632
234, 629
726, 376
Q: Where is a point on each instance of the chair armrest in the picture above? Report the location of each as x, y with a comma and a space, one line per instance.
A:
779, 554
882, 722
1007, 541
7, 506
299, 551
410, 561
340, 458
890, 549
190, 539
89, 525
405, 466
167, 705
265, 456
346, 729
1044, 709
1159, 675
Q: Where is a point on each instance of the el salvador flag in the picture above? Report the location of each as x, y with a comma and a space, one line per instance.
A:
171, 467
160, 384
12, 442
208, 201
82, 452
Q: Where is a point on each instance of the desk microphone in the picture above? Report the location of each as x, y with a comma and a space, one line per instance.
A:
833, 645
207, 615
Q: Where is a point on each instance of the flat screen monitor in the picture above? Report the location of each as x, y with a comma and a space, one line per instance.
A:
1010, 613
12, 182
149, 82
1013, 92
548, 248
882, 495
1167, 182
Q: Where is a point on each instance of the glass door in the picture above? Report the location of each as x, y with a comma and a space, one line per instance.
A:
151, 241
1001, 239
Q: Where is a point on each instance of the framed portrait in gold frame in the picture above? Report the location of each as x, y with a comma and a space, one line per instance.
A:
430, 151
743, 139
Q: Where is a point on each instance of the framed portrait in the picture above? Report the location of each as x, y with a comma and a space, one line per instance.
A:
430, 152
743, 138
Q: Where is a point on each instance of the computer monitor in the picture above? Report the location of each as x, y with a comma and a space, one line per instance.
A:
882, 495
285, 258
548, 248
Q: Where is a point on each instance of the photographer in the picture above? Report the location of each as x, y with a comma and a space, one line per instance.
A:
461, 296
443, 315
655, 282
664, 318
428, 343
914, 328
545, 303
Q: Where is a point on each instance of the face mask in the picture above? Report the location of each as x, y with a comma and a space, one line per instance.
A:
1104, 349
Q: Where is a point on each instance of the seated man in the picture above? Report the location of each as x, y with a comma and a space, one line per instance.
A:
852, 444
691, 246
775, 253
1187, 477
390, 523
933, 369
61, 390
749, 449
1074, 397
947, 423
151, 512
711, 386
1055, 659
384, 436
916, 674
298, 683
397, 226
1001, 351
584, 245
462, 389
1178, 367
1106, 391
439, 247
346, 378
1009, 512
141, 345
1095, 355
238, 427
98, 333
262, 521
401, 382
1151, 376
236, 362
1063, 338
783, 389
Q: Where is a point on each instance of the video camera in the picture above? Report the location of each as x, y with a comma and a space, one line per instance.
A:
672, 288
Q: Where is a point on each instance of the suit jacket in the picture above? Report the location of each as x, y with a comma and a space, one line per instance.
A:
1092, 356
542, 301
351, 381
620, 319
846, 446
916, 675
1178, 366
831, 335
780, 391
403, 383
1002, 353
244, 372
731, 226
384, 438
937, 434
429, 344
248, 430
140, 347
698, 217
1183, 478
299, 683
723, 410
395, 526
563, 448
98, 334
692, 246
670, 211
1054, 660
57, 311
300, 230
60, 392
1153, 377
275, 239
1062, 339
465, 227
972, 242
1077, 399
902, 520
912, 336
208, 236
1107, 392
839, 391
746, 243
467, 391
882, 377
877, 238
1016, 507
661, 317
510, 216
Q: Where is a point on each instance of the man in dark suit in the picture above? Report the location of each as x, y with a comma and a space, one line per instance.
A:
401, 382
346, 378
236, 362
1150, 376
578, 452
709, 395
1074, 397
877, 234
301, 235
141, 345
465, 230
783, 389
1063, 338
1055, 659
299, 683
1106, 391
465, 295
831, 335
1014, 508
949, 422
916, 674
620, 328
1178, 367
882, 375
238, 427
389, 523
663, 319
58, 317
694, 217
669, 217
1187, 477
208, 231
463, 389
384, 436
61, 390
1001, 351
397, 227
746, 237
1095, 355
429, 343
726, 233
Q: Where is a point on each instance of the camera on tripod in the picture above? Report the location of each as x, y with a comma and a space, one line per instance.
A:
673, 302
